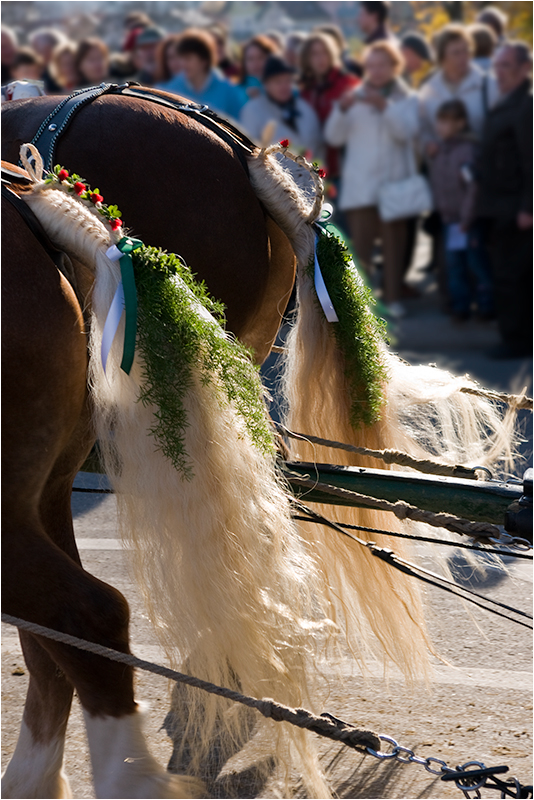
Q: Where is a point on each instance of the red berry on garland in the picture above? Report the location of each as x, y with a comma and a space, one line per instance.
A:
79, 188
321, 173
284, 143
63, 174
115, 223
96, 198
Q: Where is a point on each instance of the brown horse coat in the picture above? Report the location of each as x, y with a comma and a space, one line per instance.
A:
180, 188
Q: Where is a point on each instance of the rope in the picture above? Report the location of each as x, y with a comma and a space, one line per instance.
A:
389, 456
324, 725
404, 510
422, 574
517, 401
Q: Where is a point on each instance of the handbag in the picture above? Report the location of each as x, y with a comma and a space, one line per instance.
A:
406, 198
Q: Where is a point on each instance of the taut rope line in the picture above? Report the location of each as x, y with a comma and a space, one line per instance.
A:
389, 456
404, 510
324, 725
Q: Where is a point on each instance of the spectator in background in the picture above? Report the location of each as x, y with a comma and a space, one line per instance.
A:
505, 197
91, 62
199, 80
27, 65
323, 80
278, 39
485, 42
377, 122
373, 22
44, 41
349, 63
418, 66
418, 58
453, 186
144, 55
294, 44
225, 63
8, 52
253, 59
496, 19
281, 113
168, 59
456, 78
134, 23
63, 66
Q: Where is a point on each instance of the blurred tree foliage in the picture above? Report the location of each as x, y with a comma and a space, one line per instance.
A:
431, 16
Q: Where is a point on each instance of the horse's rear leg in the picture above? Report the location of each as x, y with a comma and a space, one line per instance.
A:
53, 590
35, 769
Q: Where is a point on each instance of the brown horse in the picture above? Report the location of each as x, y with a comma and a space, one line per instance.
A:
195, 199
183, 190
49, 419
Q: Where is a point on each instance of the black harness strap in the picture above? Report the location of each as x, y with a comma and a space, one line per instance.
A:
240, 144
59, 119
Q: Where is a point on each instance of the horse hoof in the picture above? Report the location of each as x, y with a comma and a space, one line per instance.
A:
56, 788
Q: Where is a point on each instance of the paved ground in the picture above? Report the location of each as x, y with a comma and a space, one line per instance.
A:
478, 707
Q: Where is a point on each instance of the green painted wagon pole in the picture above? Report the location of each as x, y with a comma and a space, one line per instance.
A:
480, 501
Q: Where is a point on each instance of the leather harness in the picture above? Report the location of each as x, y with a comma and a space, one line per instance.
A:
60, 118
57, 122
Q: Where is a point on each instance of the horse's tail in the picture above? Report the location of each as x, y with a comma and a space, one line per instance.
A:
227, 579
425, 413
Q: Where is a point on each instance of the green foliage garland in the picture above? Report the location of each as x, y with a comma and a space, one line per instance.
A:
358, 333
174, 338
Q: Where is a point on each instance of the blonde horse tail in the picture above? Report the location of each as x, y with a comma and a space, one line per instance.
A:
227, 580
425, 413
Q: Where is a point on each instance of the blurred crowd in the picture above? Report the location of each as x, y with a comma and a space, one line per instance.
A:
412, 133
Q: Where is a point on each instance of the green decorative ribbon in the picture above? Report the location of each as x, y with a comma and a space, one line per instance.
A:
127, 246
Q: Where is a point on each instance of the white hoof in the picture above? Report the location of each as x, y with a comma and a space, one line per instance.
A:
123, 766
35, 770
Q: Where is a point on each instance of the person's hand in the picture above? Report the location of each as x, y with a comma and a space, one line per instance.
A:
524, 221
347, 100
375, 99
431, 149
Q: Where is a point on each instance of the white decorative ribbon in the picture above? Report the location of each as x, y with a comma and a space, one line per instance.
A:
322, 292
115, 311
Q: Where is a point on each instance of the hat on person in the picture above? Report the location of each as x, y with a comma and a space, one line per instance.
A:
151, 35
416, 42
276, 66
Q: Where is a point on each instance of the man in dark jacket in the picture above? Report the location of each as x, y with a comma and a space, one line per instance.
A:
505, 197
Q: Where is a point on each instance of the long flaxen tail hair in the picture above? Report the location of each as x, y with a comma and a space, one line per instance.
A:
425, 413
231, 587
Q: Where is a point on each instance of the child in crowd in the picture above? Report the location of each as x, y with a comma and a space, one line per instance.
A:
453, 186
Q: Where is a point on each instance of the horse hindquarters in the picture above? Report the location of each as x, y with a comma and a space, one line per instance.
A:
46, 435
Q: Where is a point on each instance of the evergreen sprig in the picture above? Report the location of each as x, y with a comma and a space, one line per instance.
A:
174, 338
358, 333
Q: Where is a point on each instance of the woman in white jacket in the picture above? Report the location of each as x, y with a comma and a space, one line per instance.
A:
457, 78
377, 122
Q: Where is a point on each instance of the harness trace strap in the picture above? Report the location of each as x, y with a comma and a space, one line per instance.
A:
60, 118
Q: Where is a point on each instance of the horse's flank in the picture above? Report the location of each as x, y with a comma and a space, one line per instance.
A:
183, 190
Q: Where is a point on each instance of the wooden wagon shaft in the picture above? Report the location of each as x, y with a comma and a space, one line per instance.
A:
475, 500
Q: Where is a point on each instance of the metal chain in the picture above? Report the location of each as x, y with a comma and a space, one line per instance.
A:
465, 777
